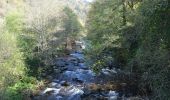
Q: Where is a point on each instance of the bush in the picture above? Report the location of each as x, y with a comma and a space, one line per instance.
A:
22, 90
14, 85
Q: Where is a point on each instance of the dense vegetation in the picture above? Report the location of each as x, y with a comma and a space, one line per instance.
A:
133, 35
30, 39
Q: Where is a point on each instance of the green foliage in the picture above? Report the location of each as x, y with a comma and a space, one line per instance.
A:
104, 27
152, 56
13, 81
28, 45
142, 46
102, 16
14, 22
21, 90
12, 65
71, 24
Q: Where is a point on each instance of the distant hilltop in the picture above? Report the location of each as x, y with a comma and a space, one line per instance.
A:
80, 7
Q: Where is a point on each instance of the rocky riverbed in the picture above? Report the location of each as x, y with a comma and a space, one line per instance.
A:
76, 81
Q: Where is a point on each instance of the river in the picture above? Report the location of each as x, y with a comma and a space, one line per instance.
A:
76, 81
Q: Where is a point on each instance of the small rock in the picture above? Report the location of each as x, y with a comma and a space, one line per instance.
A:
50, 91
113, 98
77, 80
64, 83
52, 84
112, 93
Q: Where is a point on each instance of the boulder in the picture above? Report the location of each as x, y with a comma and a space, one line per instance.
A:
64, 83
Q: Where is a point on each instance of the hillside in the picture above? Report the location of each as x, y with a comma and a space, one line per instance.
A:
80, 7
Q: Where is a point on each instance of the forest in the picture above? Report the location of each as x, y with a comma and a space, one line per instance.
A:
84, 49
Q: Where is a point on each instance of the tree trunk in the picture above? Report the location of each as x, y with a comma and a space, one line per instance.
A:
124, 13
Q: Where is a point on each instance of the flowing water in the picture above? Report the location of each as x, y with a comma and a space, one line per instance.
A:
77, 82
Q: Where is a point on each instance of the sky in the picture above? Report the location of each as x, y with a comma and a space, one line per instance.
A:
89, 0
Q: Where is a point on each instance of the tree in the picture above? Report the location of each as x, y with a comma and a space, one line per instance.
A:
105, 23
142, 45
152, 55
42, 23
72, 26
